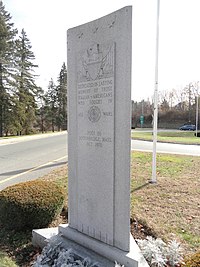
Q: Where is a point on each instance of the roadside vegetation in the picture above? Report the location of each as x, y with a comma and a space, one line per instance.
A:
175, 108
26, 108
168, 209
176, 137
30, 205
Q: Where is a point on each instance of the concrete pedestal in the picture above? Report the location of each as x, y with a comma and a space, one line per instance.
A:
133, 258
85, 246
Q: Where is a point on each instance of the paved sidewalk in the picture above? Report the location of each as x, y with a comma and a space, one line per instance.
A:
13, 140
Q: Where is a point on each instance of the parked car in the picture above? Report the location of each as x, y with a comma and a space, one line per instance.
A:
188, 127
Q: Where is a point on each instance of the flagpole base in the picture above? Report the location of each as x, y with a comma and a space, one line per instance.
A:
152, 182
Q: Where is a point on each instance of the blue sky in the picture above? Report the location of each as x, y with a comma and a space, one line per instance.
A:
46, 23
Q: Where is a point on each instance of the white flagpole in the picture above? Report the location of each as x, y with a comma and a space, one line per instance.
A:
155, 116
197, 108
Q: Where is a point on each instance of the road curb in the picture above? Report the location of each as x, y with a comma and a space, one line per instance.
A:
14, 140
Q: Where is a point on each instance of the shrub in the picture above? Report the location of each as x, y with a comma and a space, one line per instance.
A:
33, 204
159, 254
193, 260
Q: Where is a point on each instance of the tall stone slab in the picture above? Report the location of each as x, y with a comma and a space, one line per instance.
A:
99, 93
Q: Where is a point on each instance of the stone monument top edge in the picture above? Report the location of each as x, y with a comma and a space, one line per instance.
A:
96, 20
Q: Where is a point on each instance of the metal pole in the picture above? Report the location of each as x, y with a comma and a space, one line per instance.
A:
141, 122
197, 108
189, 116
155, 116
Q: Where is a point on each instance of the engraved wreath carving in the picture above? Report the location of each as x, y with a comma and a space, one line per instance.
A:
96, 62
94, 114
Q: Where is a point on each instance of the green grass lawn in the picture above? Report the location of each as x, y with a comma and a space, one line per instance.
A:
5, 261
171, 206
179, 137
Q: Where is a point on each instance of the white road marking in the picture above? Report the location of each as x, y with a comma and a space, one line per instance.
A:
32, 169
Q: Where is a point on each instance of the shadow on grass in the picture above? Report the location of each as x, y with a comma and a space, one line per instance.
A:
17, 245
140, 187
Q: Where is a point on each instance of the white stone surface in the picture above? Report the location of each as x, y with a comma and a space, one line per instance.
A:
40, 236
99, 93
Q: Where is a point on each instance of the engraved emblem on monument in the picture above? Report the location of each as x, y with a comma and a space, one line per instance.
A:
96, 62
94, 114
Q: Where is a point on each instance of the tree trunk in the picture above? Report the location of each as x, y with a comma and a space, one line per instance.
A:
52, 126
1, 101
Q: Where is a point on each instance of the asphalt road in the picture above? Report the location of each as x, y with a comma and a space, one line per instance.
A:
27, 158
31, 157
192, 150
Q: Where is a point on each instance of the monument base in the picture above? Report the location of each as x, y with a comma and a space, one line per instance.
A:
85, 246
133, 258
41, 237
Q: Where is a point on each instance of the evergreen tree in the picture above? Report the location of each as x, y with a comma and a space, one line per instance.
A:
62, 98
26, 87
51, 105
7, 46
7, 113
